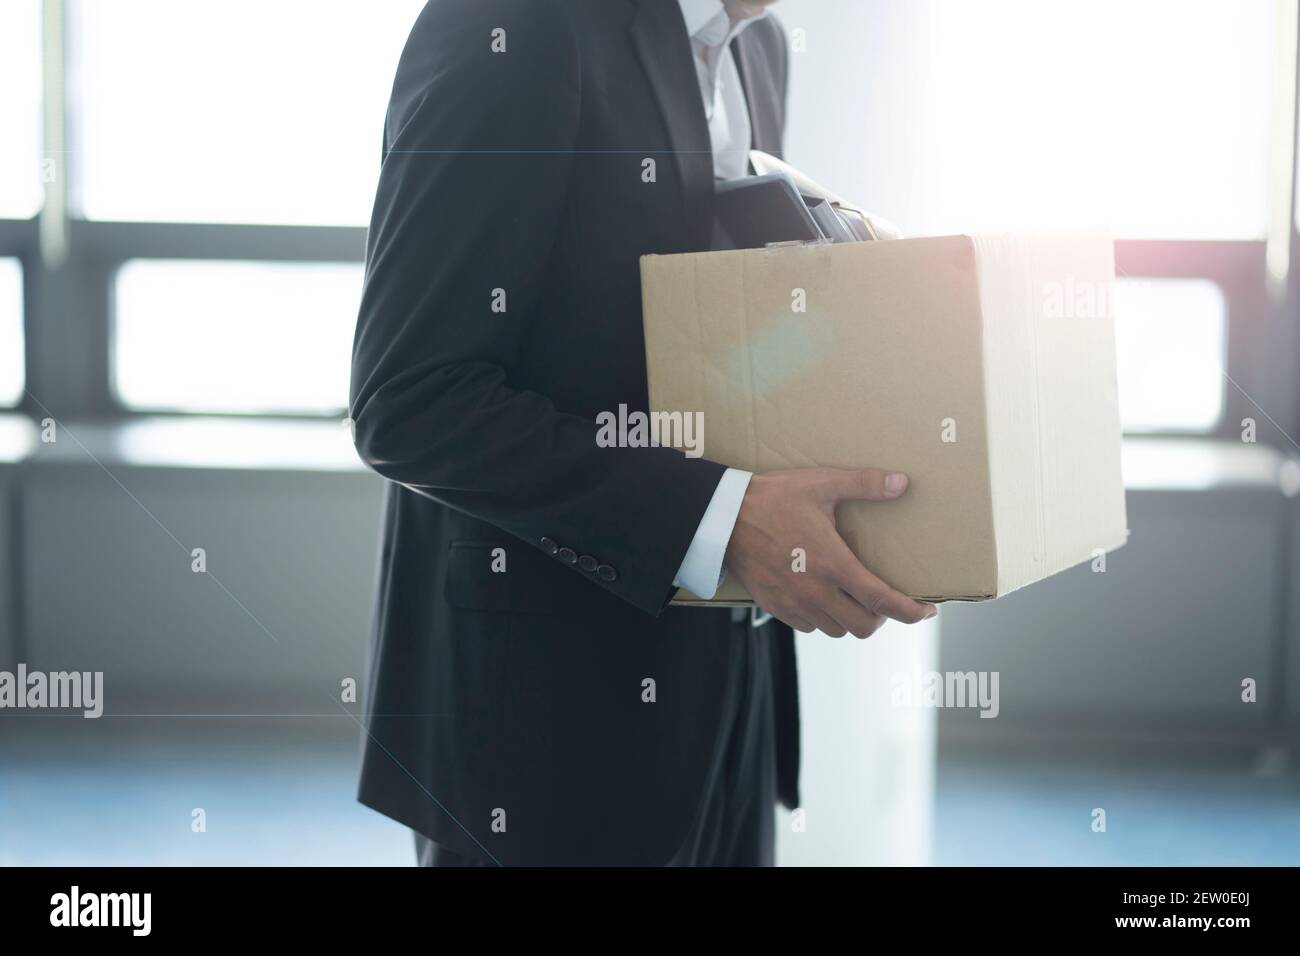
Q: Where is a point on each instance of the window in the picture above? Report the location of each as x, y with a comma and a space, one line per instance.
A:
237, 337
242, 111
11, 332
1170, 342
1150, 119
20, 108
225, 156
1156, 121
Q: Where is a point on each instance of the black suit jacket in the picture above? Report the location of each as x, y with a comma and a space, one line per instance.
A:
501, 314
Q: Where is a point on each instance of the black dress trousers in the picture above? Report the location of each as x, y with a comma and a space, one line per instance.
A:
735, 824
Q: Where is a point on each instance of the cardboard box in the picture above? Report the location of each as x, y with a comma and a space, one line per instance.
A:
982, 366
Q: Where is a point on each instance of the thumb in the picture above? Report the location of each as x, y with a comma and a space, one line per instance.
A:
868, 484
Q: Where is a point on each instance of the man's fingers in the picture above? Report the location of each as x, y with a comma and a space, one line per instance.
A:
868, 484
856, 619
828, 624
796, 621
837, 595
878, 597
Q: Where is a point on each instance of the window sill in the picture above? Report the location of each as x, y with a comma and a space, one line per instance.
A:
1150, 464
194, 443
1202, 464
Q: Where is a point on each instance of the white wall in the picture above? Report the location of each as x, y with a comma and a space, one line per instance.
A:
858, 100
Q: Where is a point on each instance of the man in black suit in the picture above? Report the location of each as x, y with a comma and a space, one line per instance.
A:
532, 696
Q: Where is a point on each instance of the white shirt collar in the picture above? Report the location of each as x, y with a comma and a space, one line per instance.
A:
710, 22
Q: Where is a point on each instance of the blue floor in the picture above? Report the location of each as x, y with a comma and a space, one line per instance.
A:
122, 791
273, 792
1033, 805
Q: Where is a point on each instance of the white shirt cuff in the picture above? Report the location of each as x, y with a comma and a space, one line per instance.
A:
702, 571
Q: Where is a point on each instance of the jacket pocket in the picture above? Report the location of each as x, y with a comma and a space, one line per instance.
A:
501, 576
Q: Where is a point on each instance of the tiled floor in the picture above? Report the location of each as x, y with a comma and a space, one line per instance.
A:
122, 791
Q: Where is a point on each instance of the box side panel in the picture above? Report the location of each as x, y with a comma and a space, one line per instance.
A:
1054, 432
692, 308
686, 322
849, 356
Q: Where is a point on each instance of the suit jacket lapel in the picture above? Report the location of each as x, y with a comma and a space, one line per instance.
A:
659, 37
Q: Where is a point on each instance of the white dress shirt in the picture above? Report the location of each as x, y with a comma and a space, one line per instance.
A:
712, 25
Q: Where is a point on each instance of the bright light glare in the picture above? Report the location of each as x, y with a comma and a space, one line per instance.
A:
20, 108
234, 336
240, 111
1147, 117
11, 331
1170, 343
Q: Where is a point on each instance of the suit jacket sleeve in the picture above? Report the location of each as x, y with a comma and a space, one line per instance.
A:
471, 193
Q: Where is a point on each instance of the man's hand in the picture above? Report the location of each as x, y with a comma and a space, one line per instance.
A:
784, 510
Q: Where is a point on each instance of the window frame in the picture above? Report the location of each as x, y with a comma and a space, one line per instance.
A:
1253, 317
68, 320
110, 245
